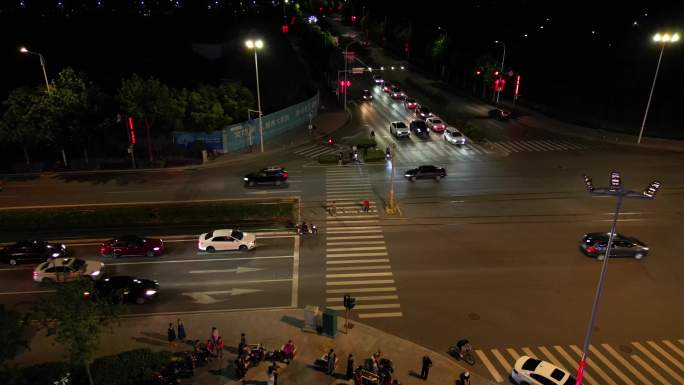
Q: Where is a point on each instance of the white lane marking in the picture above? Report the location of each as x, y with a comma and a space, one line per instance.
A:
357, 237
353, 231
359, 275
205, 297
626, 364
238, 270
348, 190
502, 360
573, 364
650, 369
489, 366
351, 195
27, 292
666, 355
295, 273
363, 215
596, 368
350, 261
132, 191
358, 242
356, 248
361, 290
356, 255
673, 347
513, 354
125, 203
274, 192
369, 307
353, 227
380, 315
365, 298
226, 282
364, 282
348, 202
659, 362
351, 222
198, 260
610, 365
352, 268
549, 356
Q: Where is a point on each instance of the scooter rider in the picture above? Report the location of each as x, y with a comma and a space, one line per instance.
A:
461, 345
388, 154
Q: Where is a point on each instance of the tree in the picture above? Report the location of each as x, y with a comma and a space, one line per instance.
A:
77, 321
149, 100
21, 120
12, 326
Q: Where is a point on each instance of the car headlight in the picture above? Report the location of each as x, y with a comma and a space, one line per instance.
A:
55, 255
150, 293
95, 273
407, 174
63, 246
245, 179
155, 248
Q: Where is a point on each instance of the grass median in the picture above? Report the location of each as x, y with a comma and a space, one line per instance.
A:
272, 213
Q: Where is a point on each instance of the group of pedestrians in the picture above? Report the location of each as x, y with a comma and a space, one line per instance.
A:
176, 333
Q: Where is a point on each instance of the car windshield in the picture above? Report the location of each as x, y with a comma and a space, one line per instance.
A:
436, 121
411, 101
557, 374
419, 124
400, 125
366, 92
209, 235
78, 264
455, 133
237, 234
531, 364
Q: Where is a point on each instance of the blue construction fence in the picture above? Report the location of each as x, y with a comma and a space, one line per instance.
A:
241, 135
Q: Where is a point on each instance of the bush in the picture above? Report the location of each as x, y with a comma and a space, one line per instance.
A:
374, 155
363, 144
327, 159
473, 133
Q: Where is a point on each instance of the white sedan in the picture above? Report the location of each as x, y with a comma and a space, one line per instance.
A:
67, 270
454, 136
531, 371
226, 239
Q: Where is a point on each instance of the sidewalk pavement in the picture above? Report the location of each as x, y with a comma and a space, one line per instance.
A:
272, 328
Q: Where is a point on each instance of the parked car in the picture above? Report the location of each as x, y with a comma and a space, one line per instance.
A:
531, 371
31, 251
454, 136
423, 112
399, 129
132, 246
435, 124
270, 175
123, 288
410, 103
67, 270
500, 113
396, 93
226, 239
425, 172
419, 128
378, 80
595, 244
366, 96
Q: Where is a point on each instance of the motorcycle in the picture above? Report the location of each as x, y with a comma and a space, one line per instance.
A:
388, 156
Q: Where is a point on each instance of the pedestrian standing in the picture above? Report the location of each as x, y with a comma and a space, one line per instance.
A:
366, 205
331, 361
350, 366
181, 331
243, 344
425, 369
171, 335
217, 342
465, 378
339, 158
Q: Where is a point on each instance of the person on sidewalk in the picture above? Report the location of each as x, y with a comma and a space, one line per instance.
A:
465, 378
181, 331
243, 343
339, 158
350, 366
171, 335
425, 369
366, 205
216, 342
332, 357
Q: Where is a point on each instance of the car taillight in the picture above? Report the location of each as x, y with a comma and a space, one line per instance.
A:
35, 273
285, 174
591, 249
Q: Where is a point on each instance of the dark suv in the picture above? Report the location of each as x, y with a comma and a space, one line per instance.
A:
31, 251
425, 172
268, 175
420, 128
595, 244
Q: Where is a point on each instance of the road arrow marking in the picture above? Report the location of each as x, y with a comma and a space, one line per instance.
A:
205, 297
239, 270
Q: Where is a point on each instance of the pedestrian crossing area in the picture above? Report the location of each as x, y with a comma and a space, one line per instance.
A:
356, 258
313, 151
538, 145
637, 363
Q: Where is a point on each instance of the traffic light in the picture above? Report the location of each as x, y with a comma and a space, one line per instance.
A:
478, 72
344, 85
353, 19
349, 302
330, 140
652, 189
285, 28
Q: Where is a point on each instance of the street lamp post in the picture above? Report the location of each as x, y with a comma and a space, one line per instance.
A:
255, 45
663, 39
617, 190
285, 2
503, 58
42, 64
392, 202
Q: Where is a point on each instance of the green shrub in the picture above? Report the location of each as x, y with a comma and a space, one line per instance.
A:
327, 158
473, 133
362, 144
374, 155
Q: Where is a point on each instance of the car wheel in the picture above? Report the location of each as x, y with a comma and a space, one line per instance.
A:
638, 255
277, 183
412, 179
601, 257
140, 300
150, 253
210, 249
242, 248
48, 281
13, 262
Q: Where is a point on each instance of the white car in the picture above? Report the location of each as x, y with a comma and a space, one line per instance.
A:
226, 239
435, 124
399, 129
531, 371
454, 136
67, 270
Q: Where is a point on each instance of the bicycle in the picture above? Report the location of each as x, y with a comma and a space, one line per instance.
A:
465, 353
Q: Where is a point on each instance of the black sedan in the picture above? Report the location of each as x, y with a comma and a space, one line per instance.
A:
423, 112
122, 288
31, 251
425, 172
419, 128
595, 244
269, 175
366, 96
500, 113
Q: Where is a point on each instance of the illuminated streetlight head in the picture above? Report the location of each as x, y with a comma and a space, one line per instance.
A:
259, 43
23, 50
675, 37
666, 37
249, 44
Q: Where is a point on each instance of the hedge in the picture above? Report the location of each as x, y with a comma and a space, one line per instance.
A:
327, 158
374, 155
365, 143
473, 133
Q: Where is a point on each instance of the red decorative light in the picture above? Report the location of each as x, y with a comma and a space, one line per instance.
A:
131, 132
353, 19
517, 85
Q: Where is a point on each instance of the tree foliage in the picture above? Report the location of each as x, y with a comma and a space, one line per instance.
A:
12, 325
150, 99
21, 119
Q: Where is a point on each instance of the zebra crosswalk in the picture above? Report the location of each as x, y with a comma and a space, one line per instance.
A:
636, 363
313, 151
538, 145
357, 260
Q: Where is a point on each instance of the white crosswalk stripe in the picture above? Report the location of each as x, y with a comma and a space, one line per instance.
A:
662, 361
537, 145
314, 151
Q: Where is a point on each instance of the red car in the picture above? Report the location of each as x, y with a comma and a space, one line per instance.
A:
132, 246
410, 103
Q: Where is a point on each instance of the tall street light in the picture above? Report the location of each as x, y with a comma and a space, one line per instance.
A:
285, 2
503, 58
42, 63
664, 39
255, 45
615, 189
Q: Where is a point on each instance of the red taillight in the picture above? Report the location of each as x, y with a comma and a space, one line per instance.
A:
35, 273
591, 249
285, 174
86, 294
